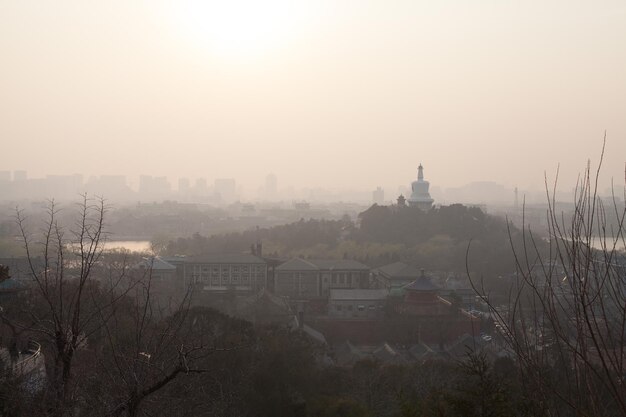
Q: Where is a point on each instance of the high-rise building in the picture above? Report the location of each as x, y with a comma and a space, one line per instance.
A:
63, 186
378, 196
19, 176
271, 185
226, 188
183, 185
201, 185
153, 187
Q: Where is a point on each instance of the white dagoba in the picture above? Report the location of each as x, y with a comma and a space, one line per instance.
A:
420, 197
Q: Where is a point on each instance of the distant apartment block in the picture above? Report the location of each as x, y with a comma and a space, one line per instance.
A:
20, 176
378, 196
271, 185
155, 188
183, 185
226, 188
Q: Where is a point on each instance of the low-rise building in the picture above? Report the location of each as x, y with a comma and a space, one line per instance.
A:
313, 279
357, 303
395, 275
225, 272
266, 308
159, 269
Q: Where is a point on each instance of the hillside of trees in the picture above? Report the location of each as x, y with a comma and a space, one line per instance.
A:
435, 240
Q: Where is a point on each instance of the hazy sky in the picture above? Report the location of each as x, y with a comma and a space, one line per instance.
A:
335, 93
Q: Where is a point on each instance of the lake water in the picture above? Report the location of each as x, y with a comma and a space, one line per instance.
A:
597, 243
131, 245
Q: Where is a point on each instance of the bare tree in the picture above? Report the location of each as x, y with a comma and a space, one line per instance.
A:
145, 347
61, 312
110, 345
566, 316
144, 350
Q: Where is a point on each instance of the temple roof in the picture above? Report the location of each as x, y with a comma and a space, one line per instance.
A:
358, 294
423, 283
400, 270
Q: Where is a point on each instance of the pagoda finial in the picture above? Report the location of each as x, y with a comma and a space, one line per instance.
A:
420, 173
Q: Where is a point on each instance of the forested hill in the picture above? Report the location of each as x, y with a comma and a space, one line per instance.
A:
410, 226
437, 239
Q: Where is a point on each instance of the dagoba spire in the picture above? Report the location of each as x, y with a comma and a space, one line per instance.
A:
420, 197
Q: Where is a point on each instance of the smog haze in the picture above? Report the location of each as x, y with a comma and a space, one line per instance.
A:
322, 94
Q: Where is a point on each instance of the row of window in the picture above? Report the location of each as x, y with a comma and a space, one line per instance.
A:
228, 268
359, 307
335, 280
227, 276
234, 274
217, 281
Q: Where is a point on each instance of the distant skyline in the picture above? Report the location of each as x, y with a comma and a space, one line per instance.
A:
321, 93
19, 186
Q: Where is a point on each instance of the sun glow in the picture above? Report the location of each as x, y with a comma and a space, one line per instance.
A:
240, 28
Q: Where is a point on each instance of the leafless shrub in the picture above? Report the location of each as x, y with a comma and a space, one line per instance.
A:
566, 316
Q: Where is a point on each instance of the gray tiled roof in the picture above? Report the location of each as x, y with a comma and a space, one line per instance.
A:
232, 258
421, 350
400, 270
174, 260
386, 353
314, 334
358, 294
340, 264
299, 264
266, 296
157, 264
421, 284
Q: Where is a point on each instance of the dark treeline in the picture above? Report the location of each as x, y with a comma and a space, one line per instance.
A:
297, 236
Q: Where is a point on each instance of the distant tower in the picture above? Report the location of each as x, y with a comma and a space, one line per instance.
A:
516, 199
226, 188
401, 200
183, 185
420, 197
378, 196
271, 185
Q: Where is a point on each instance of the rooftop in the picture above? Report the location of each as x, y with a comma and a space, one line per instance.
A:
423, 283
227, 258
299, 264
400, 270
157, 264
358, 294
